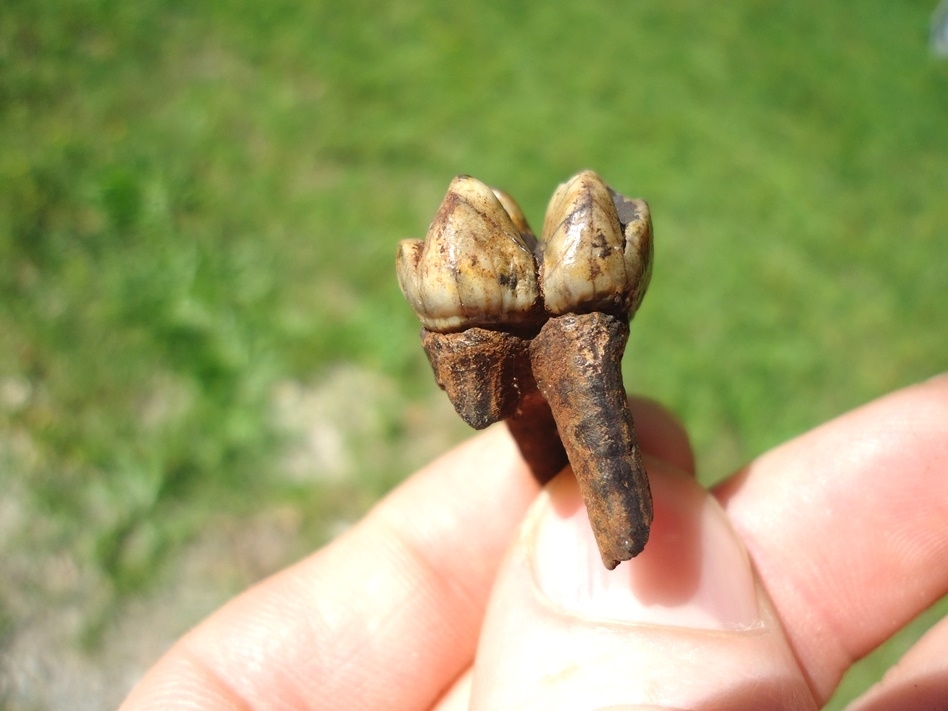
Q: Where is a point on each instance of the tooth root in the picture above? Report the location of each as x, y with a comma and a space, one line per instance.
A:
576, 360
474, 268
534, 430
479, 370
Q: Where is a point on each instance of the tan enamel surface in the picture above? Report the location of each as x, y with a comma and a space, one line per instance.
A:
584, 259
638, 247
476, 266
473, 267
513, 209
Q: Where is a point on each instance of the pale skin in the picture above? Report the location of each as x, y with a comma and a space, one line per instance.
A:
757, 594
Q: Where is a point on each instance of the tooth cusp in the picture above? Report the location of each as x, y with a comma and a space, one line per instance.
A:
596, 247
517, 217
636, 223
473, 268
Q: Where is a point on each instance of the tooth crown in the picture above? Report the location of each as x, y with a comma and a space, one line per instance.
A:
477, 266
473, 268
596, 249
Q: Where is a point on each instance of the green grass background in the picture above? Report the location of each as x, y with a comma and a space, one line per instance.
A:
198, 201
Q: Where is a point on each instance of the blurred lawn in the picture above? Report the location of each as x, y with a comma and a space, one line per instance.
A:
200, 202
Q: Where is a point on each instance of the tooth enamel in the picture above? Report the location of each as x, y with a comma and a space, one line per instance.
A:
596, 249
517, 217
473, 268
636, 221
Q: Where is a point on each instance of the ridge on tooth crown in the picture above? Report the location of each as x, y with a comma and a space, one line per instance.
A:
596, 249
473, 268
517, 217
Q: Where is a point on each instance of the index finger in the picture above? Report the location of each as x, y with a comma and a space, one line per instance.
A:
331, 631
848, 526
388, 615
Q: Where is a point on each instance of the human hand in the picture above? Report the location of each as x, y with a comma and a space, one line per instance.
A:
756, 595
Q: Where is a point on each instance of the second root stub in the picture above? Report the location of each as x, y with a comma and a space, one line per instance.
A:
479, 369
577, 364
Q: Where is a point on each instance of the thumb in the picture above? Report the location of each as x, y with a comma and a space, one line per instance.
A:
683, 625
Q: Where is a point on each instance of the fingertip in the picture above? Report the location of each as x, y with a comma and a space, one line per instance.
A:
693, 572
917, 682
561, 632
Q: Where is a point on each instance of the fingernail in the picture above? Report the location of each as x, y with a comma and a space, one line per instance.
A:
694, 572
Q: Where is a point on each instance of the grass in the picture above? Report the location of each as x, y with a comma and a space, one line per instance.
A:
200, 202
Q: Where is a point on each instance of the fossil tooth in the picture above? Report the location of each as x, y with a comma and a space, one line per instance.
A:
596, 249
596, 263
473, 268
533, 332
